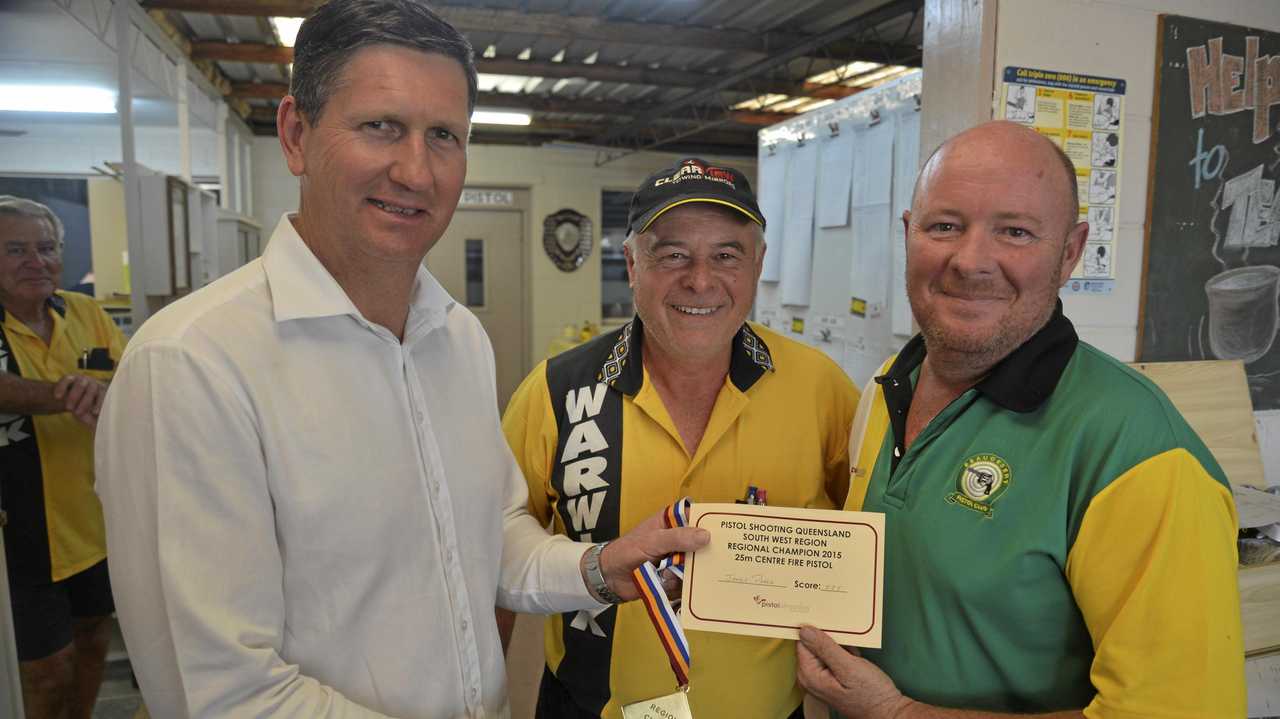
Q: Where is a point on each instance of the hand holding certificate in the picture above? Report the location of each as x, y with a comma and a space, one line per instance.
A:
768, 570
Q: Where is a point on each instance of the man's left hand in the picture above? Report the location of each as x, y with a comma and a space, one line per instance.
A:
81, 396
844, 680
649, 541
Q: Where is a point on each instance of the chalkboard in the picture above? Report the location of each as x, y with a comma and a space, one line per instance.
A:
1212, 283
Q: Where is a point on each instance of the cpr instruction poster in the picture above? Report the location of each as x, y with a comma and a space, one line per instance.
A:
1084, 115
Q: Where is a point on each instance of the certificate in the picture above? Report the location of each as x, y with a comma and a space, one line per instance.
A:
768, 570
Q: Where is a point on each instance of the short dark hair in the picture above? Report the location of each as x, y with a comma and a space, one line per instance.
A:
337, 29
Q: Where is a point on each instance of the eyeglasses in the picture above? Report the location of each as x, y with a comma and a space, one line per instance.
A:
43, 250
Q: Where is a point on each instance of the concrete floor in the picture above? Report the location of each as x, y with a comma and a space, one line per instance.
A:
118, 698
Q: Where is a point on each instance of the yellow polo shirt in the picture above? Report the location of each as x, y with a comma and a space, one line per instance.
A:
46, 461
601, 453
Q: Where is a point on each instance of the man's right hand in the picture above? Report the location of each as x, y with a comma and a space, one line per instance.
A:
81, 396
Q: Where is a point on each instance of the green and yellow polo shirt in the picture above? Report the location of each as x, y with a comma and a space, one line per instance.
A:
601, 454
1056, 538
55, 525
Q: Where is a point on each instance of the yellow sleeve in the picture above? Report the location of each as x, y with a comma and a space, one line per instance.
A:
530, 427
1153, 571
845, 398
870, 423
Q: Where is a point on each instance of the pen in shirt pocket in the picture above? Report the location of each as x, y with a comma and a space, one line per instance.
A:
96, 358
754, 495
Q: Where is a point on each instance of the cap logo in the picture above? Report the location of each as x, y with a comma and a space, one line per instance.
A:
694, 171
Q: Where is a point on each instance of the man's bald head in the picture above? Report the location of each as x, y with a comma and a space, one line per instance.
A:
1018, 143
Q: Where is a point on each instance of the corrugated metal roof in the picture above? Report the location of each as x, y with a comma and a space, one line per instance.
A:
770, 26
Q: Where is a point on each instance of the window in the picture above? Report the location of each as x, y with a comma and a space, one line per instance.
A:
615, 293
475, 273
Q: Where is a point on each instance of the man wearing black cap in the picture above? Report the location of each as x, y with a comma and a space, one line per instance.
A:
686, 399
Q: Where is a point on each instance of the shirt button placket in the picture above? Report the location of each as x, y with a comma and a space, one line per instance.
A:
448, 533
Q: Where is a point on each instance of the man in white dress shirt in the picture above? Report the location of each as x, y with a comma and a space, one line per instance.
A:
310, 505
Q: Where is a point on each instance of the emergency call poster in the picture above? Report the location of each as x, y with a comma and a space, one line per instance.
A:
1083, 115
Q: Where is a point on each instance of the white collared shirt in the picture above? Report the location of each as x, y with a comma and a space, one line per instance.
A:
307, 517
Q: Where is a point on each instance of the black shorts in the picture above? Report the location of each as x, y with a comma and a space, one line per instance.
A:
42, 613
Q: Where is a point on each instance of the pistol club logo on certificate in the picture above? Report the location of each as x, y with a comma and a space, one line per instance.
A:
768, 570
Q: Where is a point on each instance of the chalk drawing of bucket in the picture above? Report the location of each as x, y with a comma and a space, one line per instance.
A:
1243, 312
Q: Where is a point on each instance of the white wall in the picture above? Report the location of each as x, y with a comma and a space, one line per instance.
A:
556, 179
1117, 38
75, 149
110, 236
275, 190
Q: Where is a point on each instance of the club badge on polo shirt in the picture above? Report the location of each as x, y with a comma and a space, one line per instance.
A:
982, 479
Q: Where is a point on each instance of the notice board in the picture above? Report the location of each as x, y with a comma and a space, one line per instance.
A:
1211, 285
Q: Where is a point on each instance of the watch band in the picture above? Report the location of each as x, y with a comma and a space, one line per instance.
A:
595, 577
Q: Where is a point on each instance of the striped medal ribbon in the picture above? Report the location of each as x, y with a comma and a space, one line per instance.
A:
661, 613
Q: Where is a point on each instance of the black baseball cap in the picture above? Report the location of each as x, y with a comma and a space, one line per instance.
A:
693, 180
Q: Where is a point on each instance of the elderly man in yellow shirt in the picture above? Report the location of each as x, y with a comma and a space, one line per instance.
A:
686, 399
57, 350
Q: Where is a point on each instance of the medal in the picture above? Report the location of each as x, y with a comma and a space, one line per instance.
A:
672, 706
667, 625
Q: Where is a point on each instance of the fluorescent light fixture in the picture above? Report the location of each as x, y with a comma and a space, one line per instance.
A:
57, 98
287, 29
759, 102
497, 117
885, 74
509, 84
844, 72
789, 104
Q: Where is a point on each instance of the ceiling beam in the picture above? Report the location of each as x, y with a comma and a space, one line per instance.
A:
535, 103
589, 28
258, 8
241, 52
593, 28
562, 128
539, 103
259, 90
565, 105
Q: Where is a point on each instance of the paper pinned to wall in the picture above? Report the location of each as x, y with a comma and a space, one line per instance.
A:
772, 195
835, 176
906, 159
1255, 507
874, 149
797, 250
871, 232
861, 360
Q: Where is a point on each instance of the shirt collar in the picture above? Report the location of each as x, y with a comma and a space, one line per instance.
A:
56, 302
624, 371
1020, 382
301, 287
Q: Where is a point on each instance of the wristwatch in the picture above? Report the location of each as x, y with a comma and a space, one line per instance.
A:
595, 577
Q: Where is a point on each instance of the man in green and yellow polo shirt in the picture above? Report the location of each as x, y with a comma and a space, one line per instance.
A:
1058, 539
57, 350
